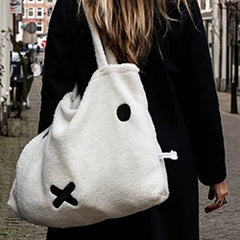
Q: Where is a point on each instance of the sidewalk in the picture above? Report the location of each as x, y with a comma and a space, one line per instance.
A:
225, 223
225, 103
11, 227
220, 225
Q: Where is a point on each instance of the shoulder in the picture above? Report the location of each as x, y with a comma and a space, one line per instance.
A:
68, 18
192, 6
191, 15
66, 3
185, 18
65, 10
71, 12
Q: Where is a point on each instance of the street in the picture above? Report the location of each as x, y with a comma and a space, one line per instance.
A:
223, 224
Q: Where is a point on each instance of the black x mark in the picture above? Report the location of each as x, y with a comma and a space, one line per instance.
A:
64, 195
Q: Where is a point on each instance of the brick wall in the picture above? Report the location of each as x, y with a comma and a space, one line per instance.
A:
39, 12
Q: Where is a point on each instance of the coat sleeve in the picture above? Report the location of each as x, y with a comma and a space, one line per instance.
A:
58, 76
205, 121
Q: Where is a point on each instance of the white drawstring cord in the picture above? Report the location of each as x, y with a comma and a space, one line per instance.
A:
172, 155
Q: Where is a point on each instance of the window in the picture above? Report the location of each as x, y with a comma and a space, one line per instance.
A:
211, 3
49, 1
39, 27
31, 13
39, 1
203, 4
31, 1
49, 12
39, 12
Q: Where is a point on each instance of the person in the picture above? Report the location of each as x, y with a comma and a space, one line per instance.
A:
166, 39
38, 50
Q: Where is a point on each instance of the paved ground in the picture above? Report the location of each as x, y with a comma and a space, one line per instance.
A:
224, 224
221, 225
12, 228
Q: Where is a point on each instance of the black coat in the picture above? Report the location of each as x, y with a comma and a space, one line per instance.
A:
182, 102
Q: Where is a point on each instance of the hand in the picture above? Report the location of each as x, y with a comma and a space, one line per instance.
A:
220, 191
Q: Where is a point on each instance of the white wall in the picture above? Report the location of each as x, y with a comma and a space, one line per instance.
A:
5, 23
220, 21
216, 39
224, 49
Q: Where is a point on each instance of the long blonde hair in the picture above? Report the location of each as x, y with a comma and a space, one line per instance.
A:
126, 26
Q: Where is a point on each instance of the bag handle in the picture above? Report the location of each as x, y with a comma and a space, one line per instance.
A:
101, 58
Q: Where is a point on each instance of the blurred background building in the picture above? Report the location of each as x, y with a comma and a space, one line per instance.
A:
221, 20
39, 12
5, 49
36, 12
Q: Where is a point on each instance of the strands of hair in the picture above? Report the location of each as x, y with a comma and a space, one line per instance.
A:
127, 27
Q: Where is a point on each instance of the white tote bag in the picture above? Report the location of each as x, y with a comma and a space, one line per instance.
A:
100, 158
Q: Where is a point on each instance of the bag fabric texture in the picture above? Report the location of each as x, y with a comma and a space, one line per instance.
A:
100, 158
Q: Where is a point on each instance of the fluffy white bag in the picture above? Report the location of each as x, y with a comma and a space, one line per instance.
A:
99, 159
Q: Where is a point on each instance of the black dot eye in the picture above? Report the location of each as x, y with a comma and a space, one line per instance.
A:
124, 112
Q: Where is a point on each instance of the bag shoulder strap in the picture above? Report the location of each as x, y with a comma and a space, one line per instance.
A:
103, 59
